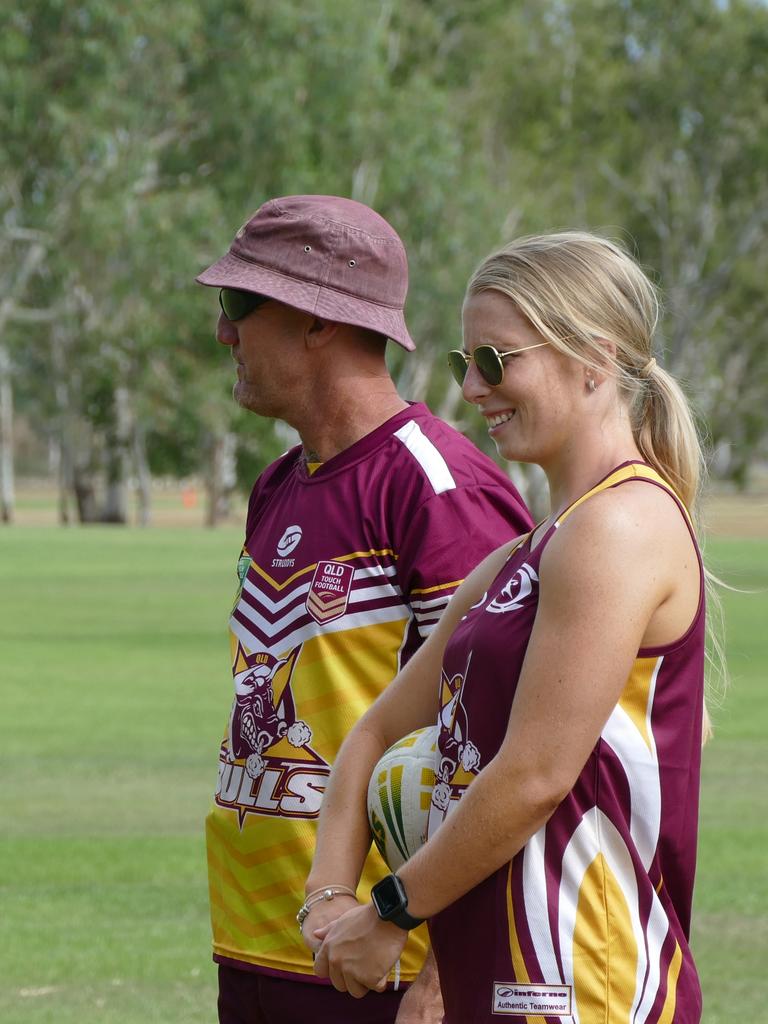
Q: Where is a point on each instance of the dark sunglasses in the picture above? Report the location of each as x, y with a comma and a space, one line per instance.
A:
236, 304
488, 360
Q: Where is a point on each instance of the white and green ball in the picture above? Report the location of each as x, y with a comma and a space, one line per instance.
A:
399, 796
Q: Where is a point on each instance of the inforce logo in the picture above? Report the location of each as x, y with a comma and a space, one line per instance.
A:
287, 543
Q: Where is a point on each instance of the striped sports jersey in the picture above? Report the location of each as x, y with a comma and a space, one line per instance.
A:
344, 572
589, 922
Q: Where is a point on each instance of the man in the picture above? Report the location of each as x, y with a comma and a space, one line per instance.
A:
355, 541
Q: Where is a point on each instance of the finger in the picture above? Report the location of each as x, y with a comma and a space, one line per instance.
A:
321, 963
336, 975
381, 984
357, 988
320, 933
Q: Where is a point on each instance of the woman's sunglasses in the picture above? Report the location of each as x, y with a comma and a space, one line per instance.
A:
488, 360
236, 304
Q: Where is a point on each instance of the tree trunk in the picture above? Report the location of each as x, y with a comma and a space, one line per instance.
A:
85, 493
59, 467
117, 454
221, 477
7, 496
143, 478
63, 422
8, 308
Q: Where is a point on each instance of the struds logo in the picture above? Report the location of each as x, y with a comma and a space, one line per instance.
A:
287, 543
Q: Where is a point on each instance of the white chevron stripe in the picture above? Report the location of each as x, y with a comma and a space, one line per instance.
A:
303, 588
432, 613
299, 611
366, 593
392, 613
275, 606
374, 593
438, 602
375, 570
428, 616
535, 894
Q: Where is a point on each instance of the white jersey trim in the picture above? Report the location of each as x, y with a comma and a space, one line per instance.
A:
305, 631
427, 456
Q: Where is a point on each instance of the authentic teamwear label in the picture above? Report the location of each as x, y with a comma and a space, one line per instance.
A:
514, 999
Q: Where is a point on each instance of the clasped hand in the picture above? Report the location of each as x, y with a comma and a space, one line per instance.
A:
357, 950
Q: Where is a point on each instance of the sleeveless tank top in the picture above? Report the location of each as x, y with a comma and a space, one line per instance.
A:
589, 922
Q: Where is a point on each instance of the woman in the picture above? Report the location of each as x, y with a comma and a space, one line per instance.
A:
558, 874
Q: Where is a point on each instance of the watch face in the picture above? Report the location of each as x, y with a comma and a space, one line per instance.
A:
388, 896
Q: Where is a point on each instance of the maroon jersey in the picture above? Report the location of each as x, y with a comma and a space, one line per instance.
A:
589, 922
345, 571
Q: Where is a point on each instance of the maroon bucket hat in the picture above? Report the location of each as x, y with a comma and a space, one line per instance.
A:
325, 255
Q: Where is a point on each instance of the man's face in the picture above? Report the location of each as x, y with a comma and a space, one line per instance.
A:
270, 358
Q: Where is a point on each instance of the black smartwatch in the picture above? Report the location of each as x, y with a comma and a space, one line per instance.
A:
391, 902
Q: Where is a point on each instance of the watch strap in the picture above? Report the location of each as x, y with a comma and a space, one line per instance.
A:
405, 920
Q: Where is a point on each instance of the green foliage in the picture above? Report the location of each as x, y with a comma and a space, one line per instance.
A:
138, 137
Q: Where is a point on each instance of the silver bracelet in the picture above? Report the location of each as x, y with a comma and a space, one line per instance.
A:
318, 895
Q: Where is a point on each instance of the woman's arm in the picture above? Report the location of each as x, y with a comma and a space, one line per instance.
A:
601, 582
408, 703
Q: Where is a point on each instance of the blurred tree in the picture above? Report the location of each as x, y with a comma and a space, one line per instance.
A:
137, 138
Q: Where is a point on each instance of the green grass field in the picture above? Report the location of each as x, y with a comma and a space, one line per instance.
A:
114, 683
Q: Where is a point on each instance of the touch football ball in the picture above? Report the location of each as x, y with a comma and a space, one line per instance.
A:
399, 796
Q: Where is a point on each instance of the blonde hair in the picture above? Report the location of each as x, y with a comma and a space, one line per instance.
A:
579, 290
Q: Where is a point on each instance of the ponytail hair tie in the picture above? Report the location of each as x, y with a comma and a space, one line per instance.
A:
649, 367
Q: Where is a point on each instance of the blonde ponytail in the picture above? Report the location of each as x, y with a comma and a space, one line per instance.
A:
666, 434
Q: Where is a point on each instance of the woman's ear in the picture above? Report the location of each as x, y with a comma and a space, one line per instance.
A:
605, 358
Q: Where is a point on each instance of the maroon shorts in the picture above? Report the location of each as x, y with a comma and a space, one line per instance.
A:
250, 997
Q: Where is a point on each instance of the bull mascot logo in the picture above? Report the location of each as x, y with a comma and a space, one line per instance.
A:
456, 752
259, 718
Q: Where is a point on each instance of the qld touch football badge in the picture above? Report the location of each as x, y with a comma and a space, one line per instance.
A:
329, 591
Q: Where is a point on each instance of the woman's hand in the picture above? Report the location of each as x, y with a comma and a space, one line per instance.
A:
358, 951
324, 913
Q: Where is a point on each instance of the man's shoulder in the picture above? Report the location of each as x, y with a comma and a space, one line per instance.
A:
430, 439
270, 479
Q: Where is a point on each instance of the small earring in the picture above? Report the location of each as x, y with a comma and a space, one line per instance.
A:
591, 385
